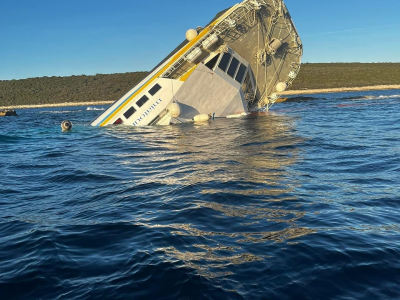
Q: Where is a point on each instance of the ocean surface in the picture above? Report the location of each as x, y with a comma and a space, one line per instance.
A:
303, 203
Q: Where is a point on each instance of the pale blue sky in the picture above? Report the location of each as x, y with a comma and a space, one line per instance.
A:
73, 37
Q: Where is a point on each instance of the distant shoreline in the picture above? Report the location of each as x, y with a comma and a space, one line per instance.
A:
287, 93
342, 90
66, 104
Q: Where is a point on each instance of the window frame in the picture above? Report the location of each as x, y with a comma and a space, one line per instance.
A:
244, 74
228, 64
157, 87
218, 58
236, 69
130, 114
145, 101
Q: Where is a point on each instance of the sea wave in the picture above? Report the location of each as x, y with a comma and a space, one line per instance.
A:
296, 204
95, 108
60, 112
9, 139
370, 97
304, 98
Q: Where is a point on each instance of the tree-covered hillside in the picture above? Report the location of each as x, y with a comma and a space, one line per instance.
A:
53, 90
339, 75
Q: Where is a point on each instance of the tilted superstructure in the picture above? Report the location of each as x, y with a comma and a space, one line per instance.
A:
238, 64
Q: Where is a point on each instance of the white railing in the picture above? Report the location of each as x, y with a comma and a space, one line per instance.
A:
236, 17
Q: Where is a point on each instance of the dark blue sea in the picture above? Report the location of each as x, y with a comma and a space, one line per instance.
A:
303, 203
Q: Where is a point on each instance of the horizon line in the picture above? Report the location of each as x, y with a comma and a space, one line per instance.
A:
91, 75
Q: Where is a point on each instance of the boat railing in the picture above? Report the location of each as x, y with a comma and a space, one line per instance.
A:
236, 17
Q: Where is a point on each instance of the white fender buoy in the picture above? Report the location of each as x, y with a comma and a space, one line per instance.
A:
191, 34
174, 110
281, 87
202, 118
66, 125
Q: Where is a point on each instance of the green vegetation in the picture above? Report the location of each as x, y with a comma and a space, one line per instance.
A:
52, 90
338, 75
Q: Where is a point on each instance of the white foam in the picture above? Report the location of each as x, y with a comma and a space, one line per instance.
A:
94, 108
389, 97
381, 97
58, 111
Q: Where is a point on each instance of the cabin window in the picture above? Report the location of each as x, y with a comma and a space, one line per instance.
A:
119, 121
233, 67
211, 64
240, 74
155, 89
129, 112
223, 64
142, 101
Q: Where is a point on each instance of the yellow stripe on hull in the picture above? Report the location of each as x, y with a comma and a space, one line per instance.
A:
179, 54
185, 76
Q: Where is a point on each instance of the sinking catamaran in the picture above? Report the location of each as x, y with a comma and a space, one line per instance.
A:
237, 65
